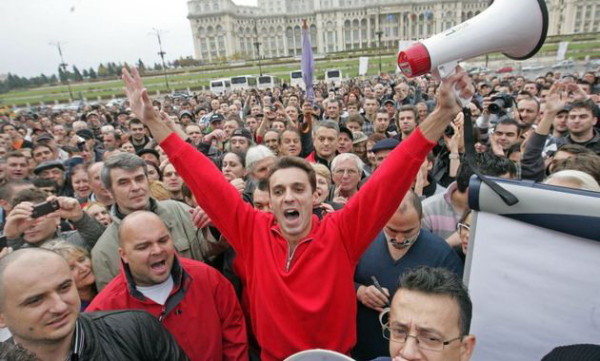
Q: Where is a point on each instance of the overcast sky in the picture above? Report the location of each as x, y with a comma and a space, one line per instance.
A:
90, 32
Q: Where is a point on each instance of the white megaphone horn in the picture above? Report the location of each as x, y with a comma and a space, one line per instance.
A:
516, 28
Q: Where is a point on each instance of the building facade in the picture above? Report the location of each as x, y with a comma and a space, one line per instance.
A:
223, 30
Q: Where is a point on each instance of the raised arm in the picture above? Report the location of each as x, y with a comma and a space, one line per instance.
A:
199, 173
367, 212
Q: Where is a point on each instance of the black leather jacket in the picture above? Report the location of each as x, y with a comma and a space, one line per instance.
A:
126, 335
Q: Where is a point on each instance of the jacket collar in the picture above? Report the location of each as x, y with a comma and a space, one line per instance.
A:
116, 213
181, 280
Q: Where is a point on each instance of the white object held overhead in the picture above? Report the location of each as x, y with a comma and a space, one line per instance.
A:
516, 28
318, 355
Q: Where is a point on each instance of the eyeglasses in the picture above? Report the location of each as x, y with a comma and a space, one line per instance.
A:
424, 342
463, 227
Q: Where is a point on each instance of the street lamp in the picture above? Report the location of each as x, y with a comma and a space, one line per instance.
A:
162, 56
257, 45
63, 65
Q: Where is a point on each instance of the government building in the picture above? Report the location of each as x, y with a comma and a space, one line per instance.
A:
223, 30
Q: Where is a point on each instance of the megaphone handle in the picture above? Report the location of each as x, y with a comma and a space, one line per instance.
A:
443, 71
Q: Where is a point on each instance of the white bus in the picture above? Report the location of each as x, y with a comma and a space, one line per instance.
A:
296, 79
243, 82
268, 82
220, 86
333, 76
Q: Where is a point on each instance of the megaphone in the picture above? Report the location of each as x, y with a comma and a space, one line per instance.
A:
516, 28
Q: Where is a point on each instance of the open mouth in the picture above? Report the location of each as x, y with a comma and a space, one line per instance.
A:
159, 266
291, 215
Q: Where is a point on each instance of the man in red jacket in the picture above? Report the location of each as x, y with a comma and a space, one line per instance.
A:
192, 300
299, 269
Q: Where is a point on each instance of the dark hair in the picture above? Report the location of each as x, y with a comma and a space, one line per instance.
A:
355, 118
32, 195
7, 189
488, 164
587, 104
41, 145
585, 162
43, 183
506, 120
409, 108
134, 121
156, 167
575, 149
240, 156
294, 162
14, 154
442, 282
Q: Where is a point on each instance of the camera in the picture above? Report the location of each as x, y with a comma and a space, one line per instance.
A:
499, 103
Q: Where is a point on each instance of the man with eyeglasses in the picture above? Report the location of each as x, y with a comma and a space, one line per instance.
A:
430, 318
399, 248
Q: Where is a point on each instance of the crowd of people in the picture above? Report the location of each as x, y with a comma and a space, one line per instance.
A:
256, 224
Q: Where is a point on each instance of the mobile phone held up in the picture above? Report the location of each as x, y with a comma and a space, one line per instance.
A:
41, 209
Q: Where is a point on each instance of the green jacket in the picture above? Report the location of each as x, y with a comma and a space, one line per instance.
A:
189, 242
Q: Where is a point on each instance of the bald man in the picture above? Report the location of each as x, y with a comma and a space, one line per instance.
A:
39, 304
194, 301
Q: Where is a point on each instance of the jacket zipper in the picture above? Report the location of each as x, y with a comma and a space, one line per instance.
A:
291, 253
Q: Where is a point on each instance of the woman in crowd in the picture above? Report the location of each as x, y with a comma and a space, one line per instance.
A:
154, 173
127, 147
80, 264
234, 170
80, 183
99, 212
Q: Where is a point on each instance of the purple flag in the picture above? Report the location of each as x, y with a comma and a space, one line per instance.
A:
307, 63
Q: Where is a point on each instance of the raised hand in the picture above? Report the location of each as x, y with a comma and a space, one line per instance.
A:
141, 105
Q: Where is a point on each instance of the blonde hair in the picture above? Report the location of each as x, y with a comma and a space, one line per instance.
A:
322, 170
65, 249
158, 191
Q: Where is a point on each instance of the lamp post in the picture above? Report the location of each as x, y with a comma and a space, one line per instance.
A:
63, 65
257, 44
162, 57
379, 34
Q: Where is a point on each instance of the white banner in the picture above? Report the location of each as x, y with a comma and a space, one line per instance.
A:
363, 65
532, 289
562, 50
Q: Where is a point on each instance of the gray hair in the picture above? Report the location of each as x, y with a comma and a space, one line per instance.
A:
125, 161
256, 154
329, 124
347, 156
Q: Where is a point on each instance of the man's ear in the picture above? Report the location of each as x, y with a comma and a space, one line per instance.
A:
467, 347
123, 255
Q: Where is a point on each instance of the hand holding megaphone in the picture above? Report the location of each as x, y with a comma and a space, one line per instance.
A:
454, 90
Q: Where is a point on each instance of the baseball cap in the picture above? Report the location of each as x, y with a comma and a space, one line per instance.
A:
242, 132
216, 118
